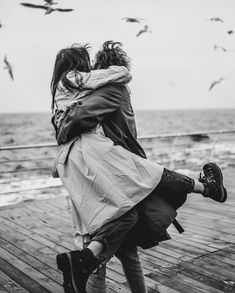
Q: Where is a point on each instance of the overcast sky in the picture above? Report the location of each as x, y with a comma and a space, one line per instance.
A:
173, 66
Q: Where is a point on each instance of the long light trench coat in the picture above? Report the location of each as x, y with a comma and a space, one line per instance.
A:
103, 180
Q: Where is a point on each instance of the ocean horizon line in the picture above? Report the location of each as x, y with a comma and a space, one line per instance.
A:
135, 110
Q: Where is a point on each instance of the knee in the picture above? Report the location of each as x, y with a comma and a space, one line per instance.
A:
128, 255
130, 218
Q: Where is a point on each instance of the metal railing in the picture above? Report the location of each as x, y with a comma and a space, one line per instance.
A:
170, 150
25, 170
154, 136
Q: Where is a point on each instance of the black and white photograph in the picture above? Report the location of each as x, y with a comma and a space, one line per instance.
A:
117, 146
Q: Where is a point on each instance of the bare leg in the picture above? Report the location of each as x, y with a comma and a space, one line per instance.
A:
96, 247
198, 187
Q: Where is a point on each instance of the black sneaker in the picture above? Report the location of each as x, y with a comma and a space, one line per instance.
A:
213, 182
76, 267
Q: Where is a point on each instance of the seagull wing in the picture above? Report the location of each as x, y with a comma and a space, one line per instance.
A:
216, 19
34, 6
222, 48
144, 30
132, 19
215, 83
8, 67
140, 32
64, 9
11, 73
6, 62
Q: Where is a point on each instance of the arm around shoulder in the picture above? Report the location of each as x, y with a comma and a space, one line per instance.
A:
90, 111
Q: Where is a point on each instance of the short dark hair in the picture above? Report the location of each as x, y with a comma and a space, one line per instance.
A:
111, 54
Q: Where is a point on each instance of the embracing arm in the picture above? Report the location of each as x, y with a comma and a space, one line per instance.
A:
90, 111
97, 78
100, 77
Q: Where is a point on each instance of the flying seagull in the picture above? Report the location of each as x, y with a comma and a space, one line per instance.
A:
143, 30
8, 67
216, 19
48, 8
50, 2
219, 47
215, 83
132, 19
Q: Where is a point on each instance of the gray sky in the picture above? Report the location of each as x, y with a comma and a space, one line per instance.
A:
173, 66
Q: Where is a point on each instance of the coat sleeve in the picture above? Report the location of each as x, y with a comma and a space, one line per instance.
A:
90, 111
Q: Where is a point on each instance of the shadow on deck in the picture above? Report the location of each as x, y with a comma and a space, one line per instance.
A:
200, 260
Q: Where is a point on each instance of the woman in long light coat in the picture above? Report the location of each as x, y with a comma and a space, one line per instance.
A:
103, 177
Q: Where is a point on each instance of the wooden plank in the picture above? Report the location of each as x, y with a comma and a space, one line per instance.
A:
220, 235
30, 195
183, 284
2, 290
34, 260
21, 278
197, 275
194, 268
183, 240
10, 285
30, 235
159, 287
224, 256
167, 252
23, 185
207, 264
27, 244
42, 220
208, 283
34, 274
191, 259
46, 232
201, 239
212, 241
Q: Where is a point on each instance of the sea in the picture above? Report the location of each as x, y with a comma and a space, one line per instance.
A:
186, 154
33, 128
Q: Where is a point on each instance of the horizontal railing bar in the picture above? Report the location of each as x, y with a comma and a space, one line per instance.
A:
186, 134
31, 146
27, 160
26, 170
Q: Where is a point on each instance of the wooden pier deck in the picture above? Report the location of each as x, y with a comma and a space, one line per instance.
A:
200, 260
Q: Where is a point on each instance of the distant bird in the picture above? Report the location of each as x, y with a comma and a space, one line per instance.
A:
50, 2
230, 32
49, 9
219, 47
132, 19
8, 67
215, 83
223, 49
145, 29
216, 19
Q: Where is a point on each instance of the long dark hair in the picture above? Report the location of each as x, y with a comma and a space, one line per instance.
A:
111, 54
74, 58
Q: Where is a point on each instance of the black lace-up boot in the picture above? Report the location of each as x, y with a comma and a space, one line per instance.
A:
76, 267
213, 182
